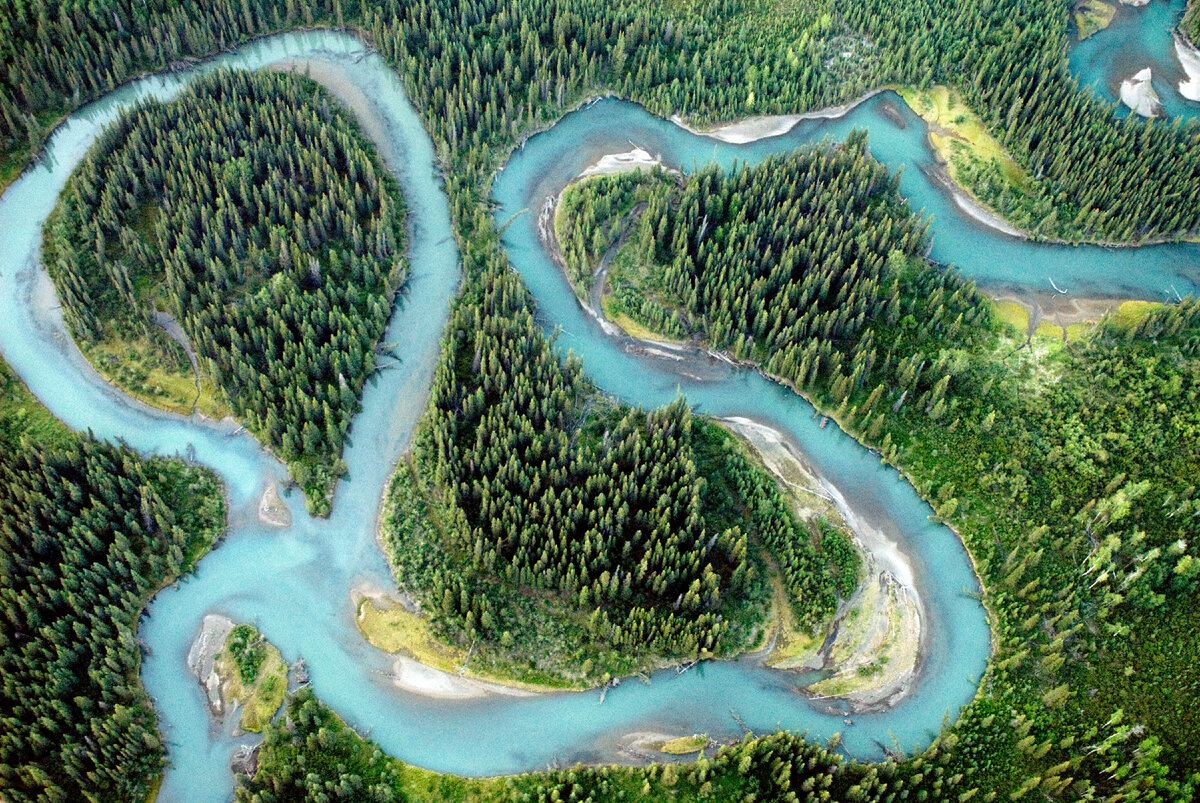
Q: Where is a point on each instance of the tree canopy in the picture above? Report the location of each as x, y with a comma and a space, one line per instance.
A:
254, 211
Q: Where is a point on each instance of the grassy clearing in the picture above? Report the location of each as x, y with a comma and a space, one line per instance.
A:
1092, 16
685, 745
1048, 329
10, 169
957, 133
393, 629
1013, 314
154, 370
1130, 313
260, 689
629, 326
1078, 331
794, 646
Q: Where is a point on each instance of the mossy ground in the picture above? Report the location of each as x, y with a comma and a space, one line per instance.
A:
957, 133
793, 645
1130, 313
391, 628
685, 745
1092, 16
1014, 314
137, 366
260, 697
23, 416
977, 162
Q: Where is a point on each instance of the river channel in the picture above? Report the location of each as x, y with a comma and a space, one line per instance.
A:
295, 584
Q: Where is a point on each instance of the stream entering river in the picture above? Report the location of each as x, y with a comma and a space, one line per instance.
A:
295, 584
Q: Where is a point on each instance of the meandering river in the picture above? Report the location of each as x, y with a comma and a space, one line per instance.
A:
294, 584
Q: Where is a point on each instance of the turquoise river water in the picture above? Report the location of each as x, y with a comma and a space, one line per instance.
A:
295, 584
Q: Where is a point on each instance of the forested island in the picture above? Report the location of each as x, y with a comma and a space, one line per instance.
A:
253, 212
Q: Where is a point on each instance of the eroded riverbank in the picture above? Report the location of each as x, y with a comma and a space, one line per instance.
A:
870, 652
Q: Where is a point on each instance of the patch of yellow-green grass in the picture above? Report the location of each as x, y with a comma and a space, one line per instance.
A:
263, 696
391, 628
1014, 314
1130, 313
135, 367
418, 783
793, 645
632, 327
1092, 16
1049, 330
685, 745
1079, 331
22, 415
10, 169
956, 130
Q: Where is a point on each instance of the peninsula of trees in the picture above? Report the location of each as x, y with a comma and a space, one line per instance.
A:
253, 212
567, 538
88, 532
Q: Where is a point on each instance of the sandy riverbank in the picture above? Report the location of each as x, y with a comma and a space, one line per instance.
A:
202, 659
414, 676
1189, 60
872, 650
613, 163
1139, 95
752, 129
271, 509
981, 214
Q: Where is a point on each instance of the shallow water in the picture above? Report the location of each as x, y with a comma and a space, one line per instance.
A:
295, 584
1136, 39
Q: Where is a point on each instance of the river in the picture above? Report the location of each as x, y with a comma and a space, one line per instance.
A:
294, 584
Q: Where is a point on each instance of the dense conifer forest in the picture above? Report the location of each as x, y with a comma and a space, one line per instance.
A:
641, 530
252, 210
1069, 475
492, 68
88, 532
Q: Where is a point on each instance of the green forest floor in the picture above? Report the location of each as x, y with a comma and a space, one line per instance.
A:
959, 137
135, 365
22, 416
1092, 16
